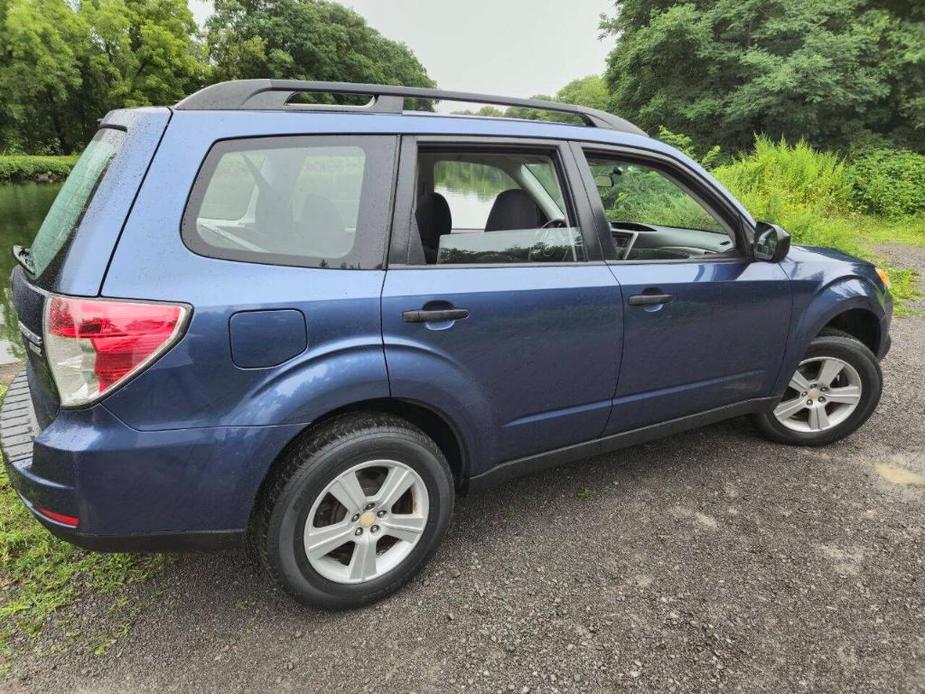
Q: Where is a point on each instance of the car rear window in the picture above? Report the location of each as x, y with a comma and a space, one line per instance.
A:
314, 201
74, 198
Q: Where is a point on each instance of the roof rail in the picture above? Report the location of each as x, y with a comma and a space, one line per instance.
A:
273, 95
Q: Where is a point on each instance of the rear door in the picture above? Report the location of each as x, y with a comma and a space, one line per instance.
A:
704, 325
497, 306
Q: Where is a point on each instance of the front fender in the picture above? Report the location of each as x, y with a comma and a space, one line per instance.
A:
817, 305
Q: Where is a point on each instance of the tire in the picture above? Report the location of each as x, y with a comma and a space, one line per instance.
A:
862, 368
338, 579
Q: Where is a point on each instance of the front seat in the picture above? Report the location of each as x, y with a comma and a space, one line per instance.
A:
514, 209
434, 220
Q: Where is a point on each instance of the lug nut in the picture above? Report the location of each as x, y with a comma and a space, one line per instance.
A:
358, 532
381, 513
821, 399
369, 506
803, 393
374, 529
825, 389
356, 517
809, 402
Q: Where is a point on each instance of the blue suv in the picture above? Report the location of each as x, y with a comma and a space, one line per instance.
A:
310, 323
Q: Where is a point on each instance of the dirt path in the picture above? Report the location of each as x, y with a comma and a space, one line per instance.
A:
708, 560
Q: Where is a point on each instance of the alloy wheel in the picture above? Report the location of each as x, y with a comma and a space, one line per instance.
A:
366, 521
823, 393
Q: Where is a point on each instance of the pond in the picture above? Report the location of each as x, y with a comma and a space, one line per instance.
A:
22, 209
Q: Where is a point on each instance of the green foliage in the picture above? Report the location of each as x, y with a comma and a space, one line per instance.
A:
827, 71
40, 574
22, 167
777, 177
485, 112
590, 91
809, 193
308, 40
889, 182
64, 65
708, 158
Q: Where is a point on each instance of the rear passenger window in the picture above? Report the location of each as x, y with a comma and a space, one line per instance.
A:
308, 201
493, 207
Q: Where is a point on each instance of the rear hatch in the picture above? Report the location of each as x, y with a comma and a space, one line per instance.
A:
73, 247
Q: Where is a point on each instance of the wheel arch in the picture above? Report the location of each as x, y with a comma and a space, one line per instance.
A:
849, 305
435, 424
861, 323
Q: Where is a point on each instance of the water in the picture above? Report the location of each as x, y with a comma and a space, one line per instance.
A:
22, 209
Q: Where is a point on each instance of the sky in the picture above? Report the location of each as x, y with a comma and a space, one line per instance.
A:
507, 47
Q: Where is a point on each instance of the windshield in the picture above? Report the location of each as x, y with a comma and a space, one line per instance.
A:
75, 195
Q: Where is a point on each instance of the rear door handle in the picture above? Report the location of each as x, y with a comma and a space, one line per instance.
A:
650, 299
435, 316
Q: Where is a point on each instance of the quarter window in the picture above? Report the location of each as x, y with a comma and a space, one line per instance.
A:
310, 201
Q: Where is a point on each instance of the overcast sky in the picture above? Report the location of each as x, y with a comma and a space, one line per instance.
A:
507, 47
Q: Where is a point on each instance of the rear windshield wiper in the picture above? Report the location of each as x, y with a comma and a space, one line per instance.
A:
24, 257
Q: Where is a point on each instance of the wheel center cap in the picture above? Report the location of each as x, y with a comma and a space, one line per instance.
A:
813, 393
367, 519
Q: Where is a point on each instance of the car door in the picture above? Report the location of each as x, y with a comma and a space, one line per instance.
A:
497, 307
704, 326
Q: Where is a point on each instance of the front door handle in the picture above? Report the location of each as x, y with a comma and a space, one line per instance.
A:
435, 316
650, 299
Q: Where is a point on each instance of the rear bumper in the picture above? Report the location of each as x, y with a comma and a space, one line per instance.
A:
130, 490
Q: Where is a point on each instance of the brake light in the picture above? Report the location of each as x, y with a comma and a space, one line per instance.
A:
94, 345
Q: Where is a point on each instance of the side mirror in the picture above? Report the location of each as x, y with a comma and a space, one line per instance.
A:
603, 181
772, 243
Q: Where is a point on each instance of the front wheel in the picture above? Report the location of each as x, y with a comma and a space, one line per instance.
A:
834, 390
355, 511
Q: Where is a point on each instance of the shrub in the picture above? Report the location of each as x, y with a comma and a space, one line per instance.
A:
889, 182
806, 191
22, 167
781, 177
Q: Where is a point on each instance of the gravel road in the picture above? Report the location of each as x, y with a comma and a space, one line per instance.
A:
711, 560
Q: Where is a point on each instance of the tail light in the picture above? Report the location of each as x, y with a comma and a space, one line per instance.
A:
95, 345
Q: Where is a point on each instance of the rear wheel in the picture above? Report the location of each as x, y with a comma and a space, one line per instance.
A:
833, 391
355, 512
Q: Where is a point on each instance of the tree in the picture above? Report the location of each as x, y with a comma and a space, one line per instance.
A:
588, 91
828, 71
308, 40
64, 65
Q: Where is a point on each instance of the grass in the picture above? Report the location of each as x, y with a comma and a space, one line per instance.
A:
40, 575
810, 194
27, 167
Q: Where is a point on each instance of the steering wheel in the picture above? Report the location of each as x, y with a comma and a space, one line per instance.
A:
545, 244
558, 223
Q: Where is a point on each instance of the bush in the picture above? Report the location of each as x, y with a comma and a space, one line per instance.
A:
23, 167
780, 178
889, 182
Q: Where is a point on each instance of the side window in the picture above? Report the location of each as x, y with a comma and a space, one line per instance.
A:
308, 201
652, 216
491, 207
